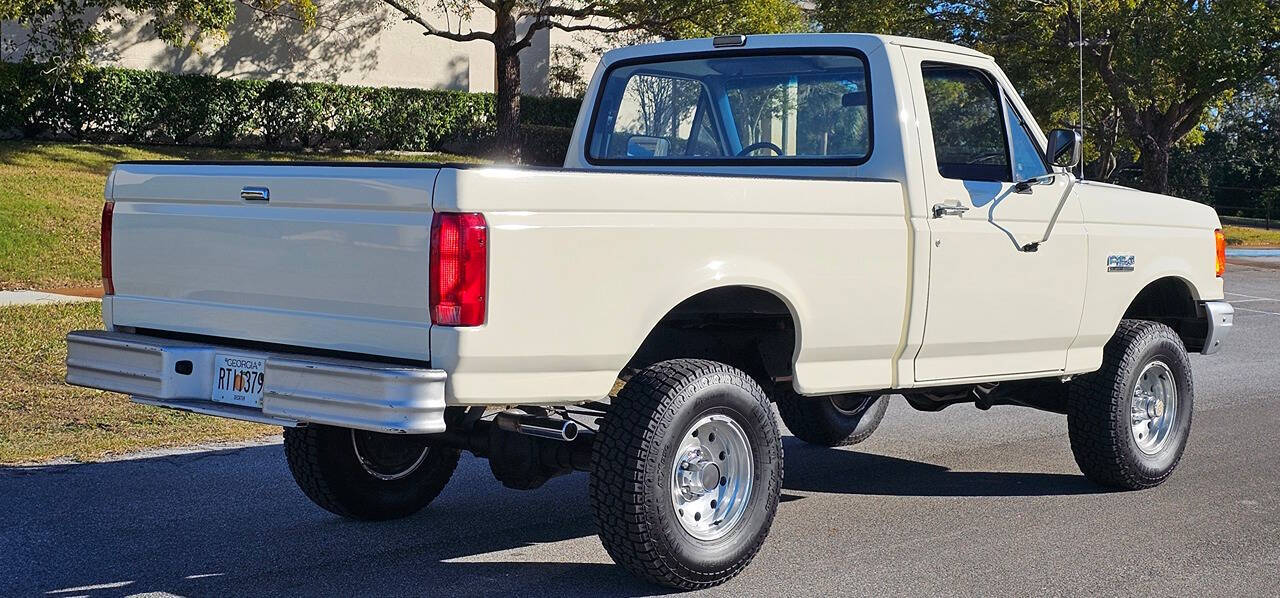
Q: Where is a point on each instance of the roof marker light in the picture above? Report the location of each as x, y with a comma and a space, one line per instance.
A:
729, 41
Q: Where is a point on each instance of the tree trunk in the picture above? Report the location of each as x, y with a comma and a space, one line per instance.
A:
507, 64
1155, 166
1105, 139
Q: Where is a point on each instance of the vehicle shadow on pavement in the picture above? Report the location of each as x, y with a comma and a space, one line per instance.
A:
232, 522
847, 471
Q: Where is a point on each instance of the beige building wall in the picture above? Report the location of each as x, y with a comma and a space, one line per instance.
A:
356, 42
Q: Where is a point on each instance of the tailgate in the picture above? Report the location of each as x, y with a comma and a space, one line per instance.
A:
335, 258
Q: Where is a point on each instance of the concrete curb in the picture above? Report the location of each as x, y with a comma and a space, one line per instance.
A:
178, 453
11, 298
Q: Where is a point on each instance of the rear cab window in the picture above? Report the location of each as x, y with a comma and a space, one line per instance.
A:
774, 108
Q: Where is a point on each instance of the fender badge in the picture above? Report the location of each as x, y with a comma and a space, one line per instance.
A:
1120, 263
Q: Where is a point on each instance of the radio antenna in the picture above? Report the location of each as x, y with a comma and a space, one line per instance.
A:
1080, 47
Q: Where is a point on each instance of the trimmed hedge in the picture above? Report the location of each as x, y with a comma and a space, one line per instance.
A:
544, 145
134, 106
549, 111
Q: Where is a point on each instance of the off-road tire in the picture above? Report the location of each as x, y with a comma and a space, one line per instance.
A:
1098, 409
816, 420
325, 466
632, 460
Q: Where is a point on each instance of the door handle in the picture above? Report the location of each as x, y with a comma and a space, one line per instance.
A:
950, 208
255, 194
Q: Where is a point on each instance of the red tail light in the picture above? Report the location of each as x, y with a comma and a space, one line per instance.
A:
107, 210
1220, 241
459, 269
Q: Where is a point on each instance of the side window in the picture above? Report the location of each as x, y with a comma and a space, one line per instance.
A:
657, 118
1028, 162
968, 125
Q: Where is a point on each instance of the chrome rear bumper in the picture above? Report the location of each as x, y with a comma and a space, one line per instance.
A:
1221, 318
297, 389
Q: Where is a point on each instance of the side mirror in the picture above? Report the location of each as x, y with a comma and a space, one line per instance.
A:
1065, 146
643, 146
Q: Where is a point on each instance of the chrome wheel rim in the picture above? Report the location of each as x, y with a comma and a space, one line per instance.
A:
711, 477
387, 457
1154, 407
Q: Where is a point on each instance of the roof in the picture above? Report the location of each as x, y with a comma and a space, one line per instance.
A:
789, 40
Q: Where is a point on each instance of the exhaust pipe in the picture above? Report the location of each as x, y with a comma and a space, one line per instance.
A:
539, 426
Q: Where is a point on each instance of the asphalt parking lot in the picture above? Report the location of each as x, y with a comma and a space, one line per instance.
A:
958, 503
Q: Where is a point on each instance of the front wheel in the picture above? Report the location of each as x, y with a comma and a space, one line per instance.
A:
686, 473
367, 475
1130, 420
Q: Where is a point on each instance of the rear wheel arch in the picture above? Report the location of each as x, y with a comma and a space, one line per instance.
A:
752, 328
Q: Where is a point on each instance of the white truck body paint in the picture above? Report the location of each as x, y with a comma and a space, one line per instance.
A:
335, 260
585, 260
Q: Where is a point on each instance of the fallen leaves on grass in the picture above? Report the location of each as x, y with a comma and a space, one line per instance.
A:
42, 418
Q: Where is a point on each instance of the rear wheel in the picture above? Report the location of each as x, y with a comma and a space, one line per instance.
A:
1130, 420
367, 475
686, 472
837, 420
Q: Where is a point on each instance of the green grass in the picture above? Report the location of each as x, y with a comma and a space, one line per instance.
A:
42, 418
1247, 236
51, 202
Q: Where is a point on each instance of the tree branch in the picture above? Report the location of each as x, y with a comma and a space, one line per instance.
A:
410, 15
603, 29
566, 19
527, 39
1119, 94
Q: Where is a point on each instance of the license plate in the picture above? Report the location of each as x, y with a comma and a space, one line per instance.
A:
238, 379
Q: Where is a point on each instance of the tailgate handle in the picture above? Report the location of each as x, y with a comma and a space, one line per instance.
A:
255, 194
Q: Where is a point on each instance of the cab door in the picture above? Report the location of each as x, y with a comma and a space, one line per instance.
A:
995, 307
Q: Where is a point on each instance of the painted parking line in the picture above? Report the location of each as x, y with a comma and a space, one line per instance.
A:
1258, 311
1251, 296
1251, 299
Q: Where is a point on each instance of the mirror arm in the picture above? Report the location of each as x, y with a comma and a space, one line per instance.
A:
1062, 202
1025, 186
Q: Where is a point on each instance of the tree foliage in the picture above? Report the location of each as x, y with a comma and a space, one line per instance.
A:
915, 18
1238, 164
66, 33
1154, 69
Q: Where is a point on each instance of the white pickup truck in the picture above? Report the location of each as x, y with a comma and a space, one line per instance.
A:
817, 221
